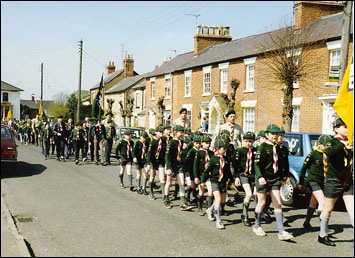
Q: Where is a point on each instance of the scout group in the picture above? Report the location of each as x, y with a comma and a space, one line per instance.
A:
260, 165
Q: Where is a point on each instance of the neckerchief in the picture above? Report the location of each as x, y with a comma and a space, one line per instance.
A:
232, 132
207, 157
47, 134
275, 164
160, 145
221, 166
77, 135
143, 151
109, 131
167, 140
248, 165
325, 163
129, 148
179, 150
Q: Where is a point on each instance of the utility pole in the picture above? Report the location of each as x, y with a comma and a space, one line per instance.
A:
345, 35
196, 16
41, 81
79, 89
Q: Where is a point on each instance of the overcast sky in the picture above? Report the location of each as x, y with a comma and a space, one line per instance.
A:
49, 32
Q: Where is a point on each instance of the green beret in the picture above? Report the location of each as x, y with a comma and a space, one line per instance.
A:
109, 113
249, 135
186, 139
198, 133
206, 138
127, 132
272, 128
160, 128
151, 131
220, 143
187, 130
262, 133
226, 138
77, 123
167, 127
197, 138
324, 139
338, 122
109, 121
60, 116
230, 112
182, 110
224, 131
144, 134
178, 128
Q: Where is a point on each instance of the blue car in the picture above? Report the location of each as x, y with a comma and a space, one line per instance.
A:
299, 146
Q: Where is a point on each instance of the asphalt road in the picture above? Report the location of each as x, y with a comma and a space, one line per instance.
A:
65, 209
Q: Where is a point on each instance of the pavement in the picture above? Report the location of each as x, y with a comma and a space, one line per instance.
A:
12, 243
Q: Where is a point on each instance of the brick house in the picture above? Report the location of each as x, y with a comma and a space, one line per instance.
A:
198, 82
10, 100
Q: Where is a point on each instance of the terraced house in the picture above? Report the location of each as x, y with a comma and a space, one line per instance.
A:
195, 79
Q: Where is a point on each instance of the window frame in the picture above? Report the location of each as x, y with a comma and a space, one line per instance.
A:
152, 92
248, 86
7, 97
247, 119
295, 127
224, 80
205, 83
167, 87
188, 86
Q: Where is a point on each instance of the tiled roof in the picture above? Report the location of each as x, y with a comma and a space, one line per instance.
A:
35, 104
327, 27
8, 87
126, 83
172, 65
108, 78
139, 85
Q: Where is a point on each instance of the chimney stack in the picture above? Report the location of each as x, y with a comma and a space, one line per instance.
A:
208, 35
111, 67
156, 67
128, 66
33, 97
306, 12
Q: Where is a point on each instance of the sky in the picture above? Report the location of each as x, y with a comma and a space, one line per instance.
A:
35, 32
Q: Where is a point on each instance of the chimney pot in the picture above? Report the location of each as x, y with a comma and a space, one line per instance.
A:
156, 67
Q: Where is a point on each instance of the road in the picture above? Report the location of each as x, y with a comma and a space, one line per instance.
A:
65, 209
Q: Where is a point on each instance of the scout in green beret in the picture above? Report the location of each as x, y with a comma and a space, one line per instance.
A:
47, 138
151, 134
313, 165
339, 178
219, 172
202, 158
268, 181
167, 134
140, 152
261, 138
124, 155
77, 139
244, 172
156, 161
111, 138
175, 168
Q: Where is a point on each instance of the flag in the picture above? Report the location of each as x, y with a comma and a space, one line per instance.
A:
97, 104
9, 115
344, 104
41, 109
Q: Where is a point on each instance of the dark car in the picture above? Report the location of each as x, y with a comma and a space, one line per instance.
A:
299, 145
8, 145
135, 133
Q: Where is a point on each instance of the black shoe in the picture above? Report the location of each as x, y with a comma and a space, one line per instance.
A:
246, 221
326, 241
122, 185
164, 198
145, 192
266, 216
307, 226
167, 205
151, 196
139, 191
96, 163
58, 159
103, 164
76, 162
131, 188
185, 207
67, 157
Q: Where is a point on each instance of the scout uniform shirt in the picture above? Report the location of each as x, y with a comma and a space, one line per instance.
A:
124, 150
173, 156
77, 136
337, 162
47, 134
245, 159
60, 128
201, 161
184, 123
100, 133
218, 170
189, 162
140, 152
70, 127
156, 151
110, 133
315, 167
266, 161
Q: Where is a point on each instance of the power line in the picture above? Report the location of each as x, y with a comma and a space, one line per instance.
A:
93, 58
36, 52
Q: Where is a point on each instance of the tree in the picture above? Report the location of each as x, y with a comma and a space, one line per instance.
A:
231, 104
126, 109
288, 60
59, 108
71, 104
161, 108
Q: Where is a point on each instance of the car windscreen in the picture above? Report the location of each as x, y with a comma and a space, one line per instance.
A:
314, 141
5, 133
294, 144
134, 133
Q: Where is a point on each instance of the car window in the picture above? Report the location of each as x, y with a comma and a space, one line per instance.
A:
5, 133
314, 141
294, 144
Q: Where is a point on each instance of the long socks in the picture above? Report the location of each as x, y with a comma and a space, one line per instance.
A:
257, 220
280, 225
209, 201
245, 208
323, 226
310, 212
130, 179
189, 190
121, 178
138, 180
144, 183
218, 214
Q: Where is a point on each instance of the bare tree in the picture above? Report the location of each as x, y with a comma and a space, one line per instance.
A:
161, 108
126, 111
288, 59
230, 101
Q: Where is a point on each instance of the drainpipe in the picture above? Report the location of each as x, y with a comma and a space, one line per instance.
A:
171, 80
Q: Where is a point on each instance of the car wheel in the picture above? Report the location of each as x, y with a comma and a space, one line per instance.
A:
288, 193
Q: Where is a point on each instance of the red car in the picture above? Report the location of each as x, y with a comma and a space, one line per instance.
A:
8, 145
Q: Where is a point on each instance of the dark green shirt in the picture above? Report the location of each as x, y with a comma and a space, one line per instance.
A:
171, 154
241, 161
264, 161
138, 150
153, 150
313, 164
189, 163
77, 135
47, 134
60, 128
200, 162
337, 161
110, 133
122, 149
212, 170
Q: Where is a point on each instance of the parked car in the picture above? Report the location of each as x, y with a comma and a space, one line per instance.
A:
299, 146
8, 144
135, 132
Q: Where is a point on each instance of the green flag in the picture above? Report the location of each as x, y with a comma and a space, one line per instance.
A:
97, 104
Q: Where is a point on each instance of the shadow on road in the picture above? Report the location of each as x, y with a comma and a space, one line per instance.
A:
20, 169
